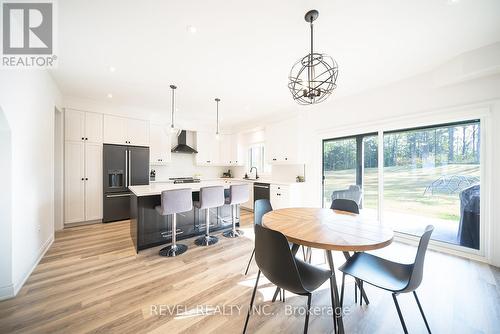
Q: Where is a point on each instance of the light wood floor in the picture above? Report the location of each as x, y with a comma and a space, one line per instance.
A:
91, 280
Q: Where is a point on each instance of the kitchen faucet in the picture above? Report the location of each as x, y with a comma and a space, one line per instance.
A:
256, 174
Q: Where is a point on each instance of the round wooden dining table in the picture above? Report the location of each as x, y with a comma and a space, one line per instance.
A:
330, 230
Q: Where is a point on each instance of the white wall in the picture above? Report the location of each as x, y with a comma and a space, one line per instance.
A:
5, 209
28, 98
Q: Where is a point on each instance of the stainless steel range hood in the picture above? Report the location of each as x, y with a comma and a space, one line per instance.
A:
182, 146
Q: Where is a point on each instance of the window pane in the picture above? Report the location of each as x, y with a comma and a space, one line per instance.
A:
431, 176
350, 171
370, 177
339, 167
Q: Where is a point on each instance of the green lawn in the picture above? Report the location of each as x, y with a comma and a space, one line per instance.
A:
404, 189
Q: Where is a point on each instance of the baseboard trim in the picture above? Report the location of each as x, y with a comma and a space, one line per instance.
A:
7, 292
76, 224
45, 247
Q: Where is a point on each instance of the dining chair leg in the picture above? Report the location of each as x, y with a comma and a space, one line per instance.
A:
306, 325
355, 292
361, 294
422, 312
250, 261
399, 313
278, 291
342, 291
357, 284
251, 302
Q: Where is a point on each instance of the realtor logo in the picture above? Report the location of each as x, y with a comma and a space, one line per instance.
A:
27, 29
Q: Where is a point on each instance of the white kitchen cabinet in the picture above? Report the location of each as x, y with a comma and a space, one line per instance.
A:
93, 181
93, 127
74, 181
74, 125
115, 130
284, 142
125, 131
82, 166
138, 132
82, 181
159, 145
82, 126
286, 196
229, 151
208, 148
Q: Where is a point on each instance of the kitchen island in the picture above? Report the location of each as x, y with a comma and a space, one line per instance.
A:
149, 229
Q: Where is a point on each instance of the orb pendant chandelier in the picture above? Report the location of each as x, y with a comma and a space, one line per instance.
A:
313, 78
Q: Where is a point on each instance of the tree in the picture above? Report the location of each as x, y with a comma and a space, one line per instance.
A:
451, 135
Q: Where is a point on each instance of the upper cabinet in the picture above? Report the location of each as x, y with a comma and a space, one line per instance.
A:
83, 126
217, 152
208, 149
159, 145
229, 151
123, 131
284, 143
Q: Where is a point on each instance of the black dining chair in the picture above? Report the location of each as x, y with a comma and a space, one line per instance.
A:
391, 276
277, 263
345, 205
261, 207
351, 206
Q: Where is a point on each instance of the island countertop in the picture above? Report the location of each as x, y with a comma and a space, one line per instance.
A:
156, 188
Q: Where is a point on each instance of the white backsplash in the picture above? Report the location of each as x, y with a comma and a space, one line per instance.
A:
183, 165
286, 173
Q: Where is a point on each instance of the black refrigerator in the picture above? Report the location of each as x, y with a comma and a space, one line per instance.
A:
123, 166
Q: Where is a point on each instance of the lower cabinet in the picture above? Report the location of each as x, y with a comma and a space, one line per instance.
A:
82, 181
286, 196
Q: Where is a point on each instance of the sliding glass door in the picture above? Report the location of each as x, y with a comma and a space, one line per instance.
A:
350, 170
431, 175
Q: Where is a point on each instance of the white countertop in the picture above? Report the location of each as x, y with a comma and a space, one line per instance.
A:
262, 180
157, 188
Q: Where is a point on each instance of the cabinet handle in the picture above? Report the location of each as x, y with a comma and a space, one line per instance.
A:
286, 158
83, 179
83, 138
274, 159
86, 179
86, 138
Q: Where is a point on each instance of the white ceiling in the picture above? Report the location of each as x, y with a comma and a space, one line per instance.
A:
243, 50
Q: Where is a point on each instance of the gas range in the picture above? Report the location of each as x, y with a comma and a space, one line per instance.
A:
184, 180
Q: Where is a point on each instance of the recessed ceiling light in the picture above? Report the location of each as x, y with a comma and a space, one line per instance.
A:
110, 96
191, 29
452, 2
112, 68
